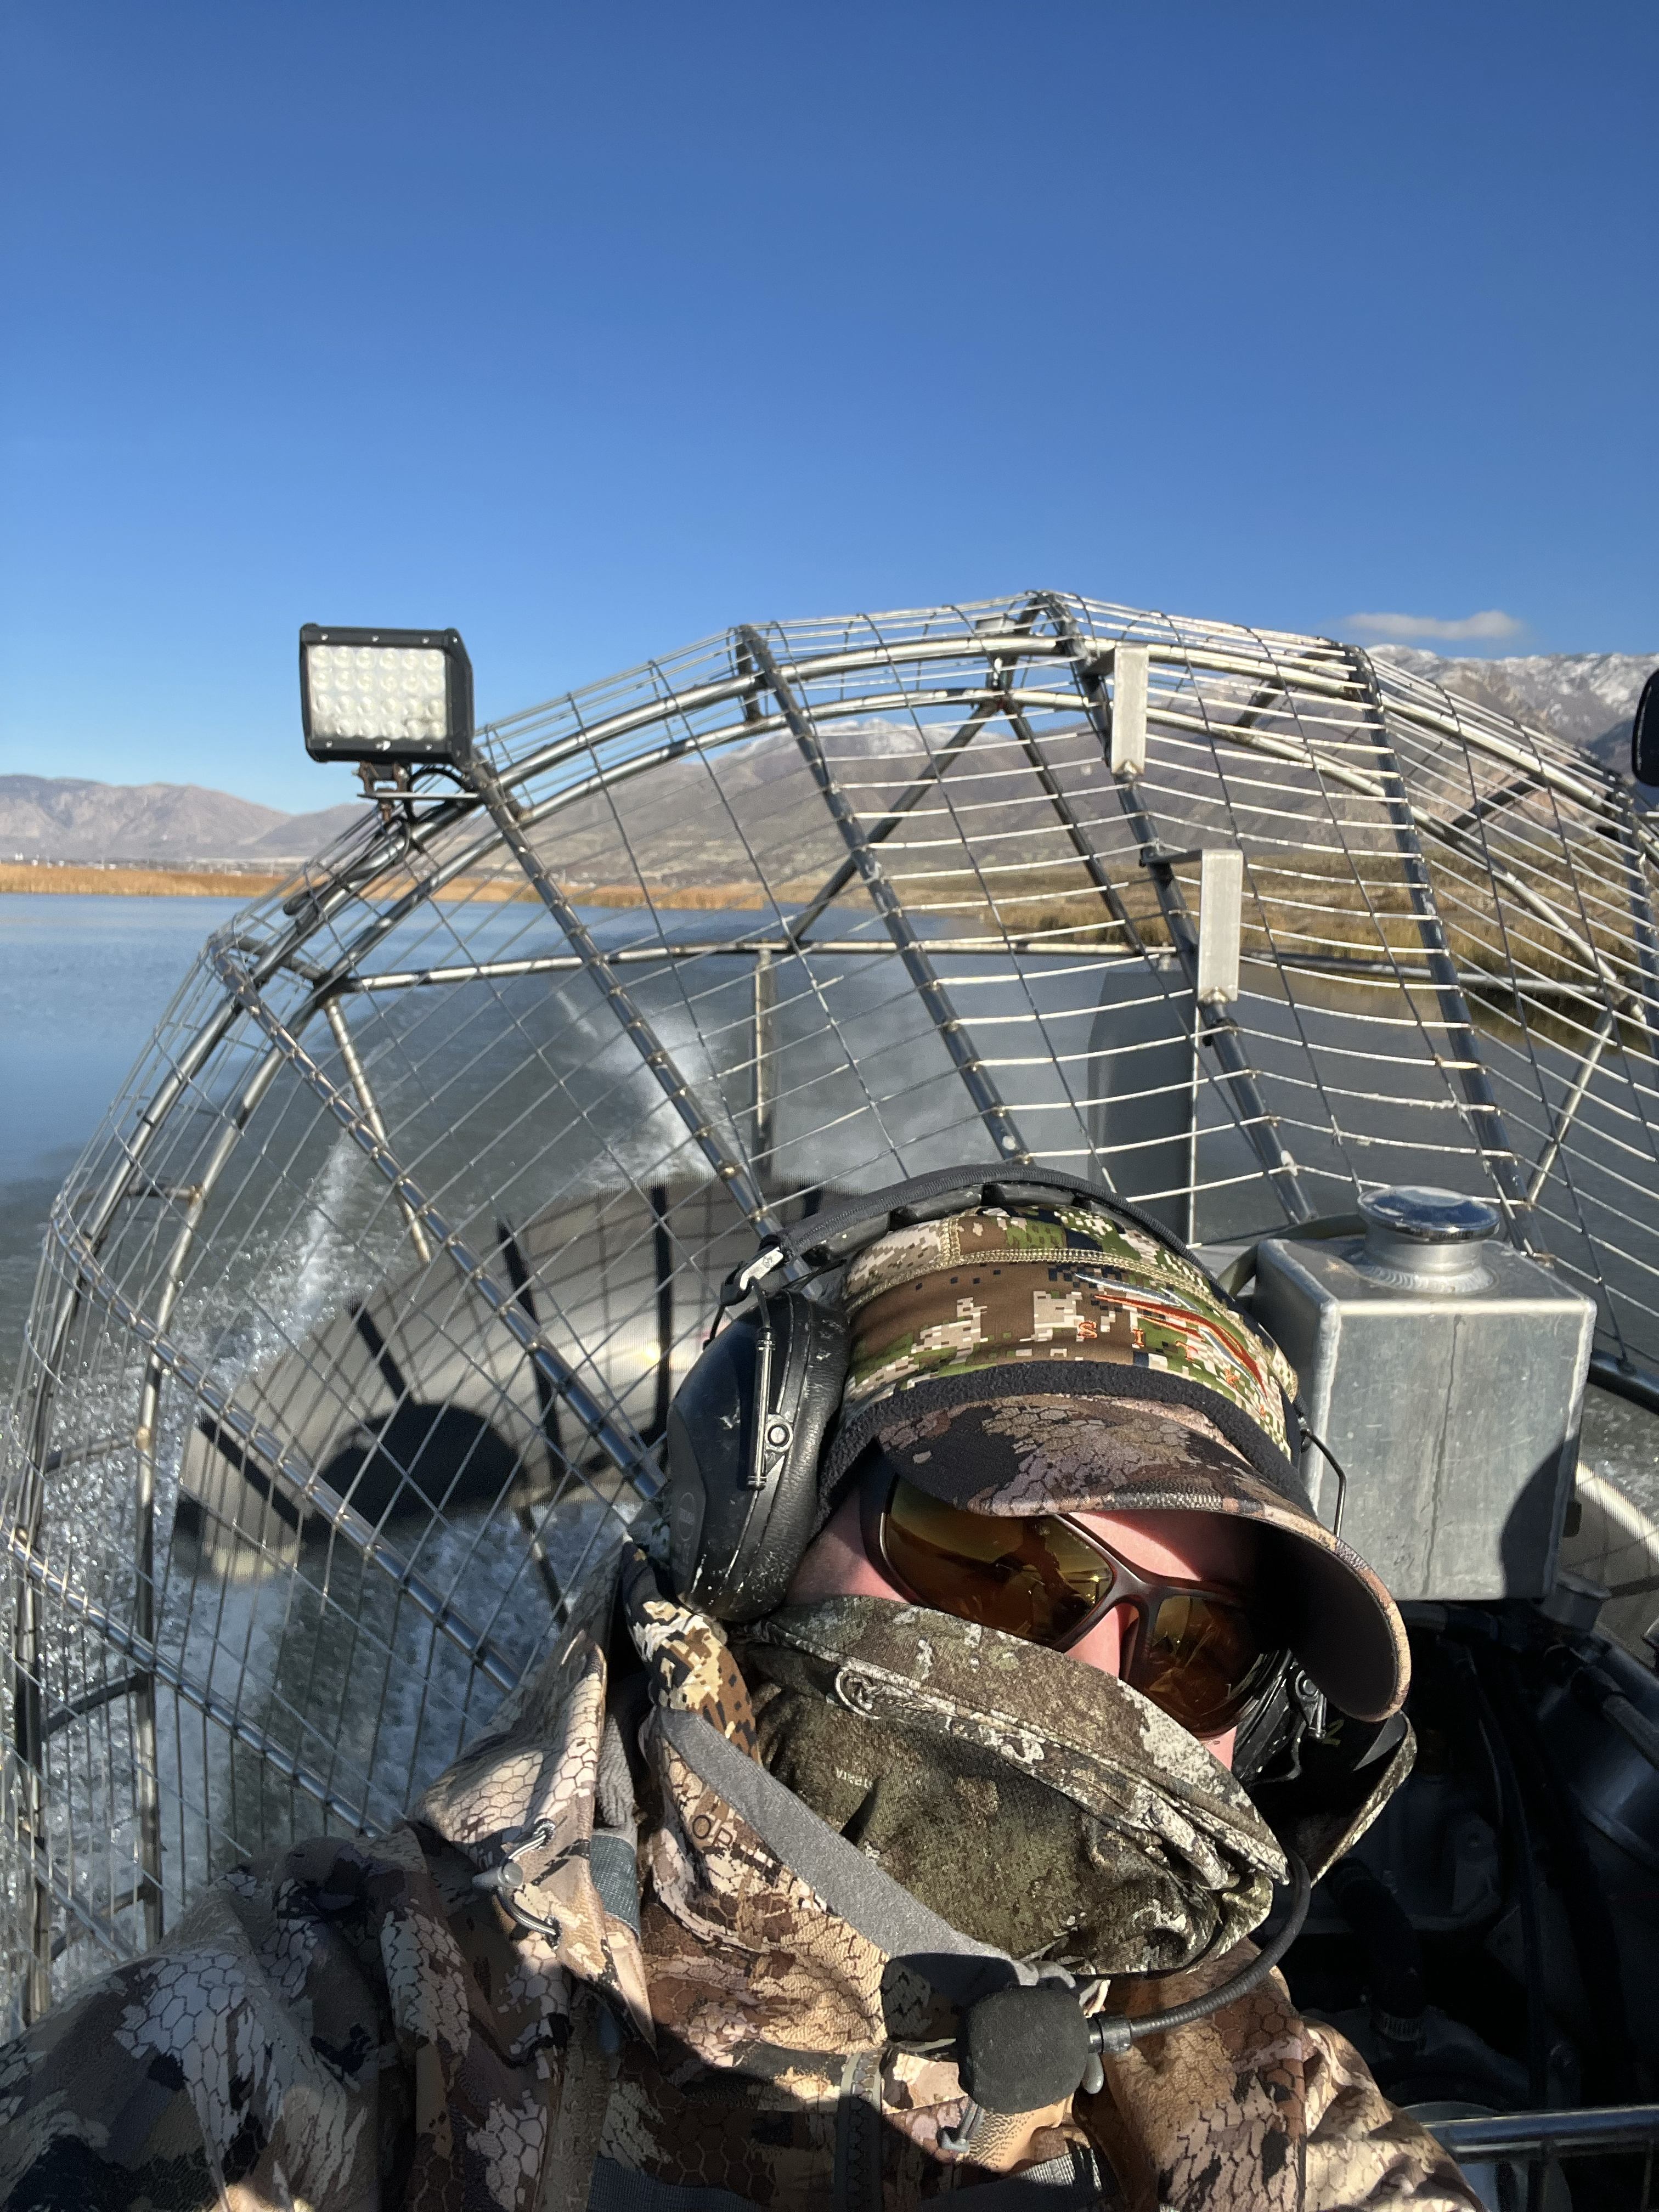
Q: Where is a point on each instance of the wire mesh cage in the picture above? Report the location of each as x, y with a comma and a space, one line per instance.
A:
358, 1322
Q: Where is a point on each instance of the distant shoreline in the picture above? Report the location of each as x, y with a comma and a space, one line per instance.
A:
136, 883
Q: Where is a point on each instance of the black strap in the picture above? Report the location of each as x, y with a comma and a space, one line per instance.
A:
858, 2135
852, 1887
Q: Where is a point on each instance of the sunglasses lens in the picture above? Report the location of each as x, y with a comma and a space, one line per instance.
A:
1199, 1659
1034, 1578
1194, 1653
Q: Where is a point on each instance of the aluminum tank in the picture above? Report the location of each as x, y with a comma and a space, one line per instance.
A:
1446, 1372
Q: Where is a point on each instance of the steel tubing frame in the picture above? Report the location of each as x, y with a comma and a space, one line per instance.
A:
937, 769
1423, 824
281, 1463
1249, 1110
304, 1487
1099, 876
27, 1663
154, 1662
317, 906
765, 992
144, 1440
1330, 675
731, 1174
1034, 946
1241, 732
1643, 926
1497, 1154
1236, 1080
612, 1432
31, 1732
1583, 2131
986, 1101
940, 761
1322, 673
1589, 1062
310, 914
360, 1083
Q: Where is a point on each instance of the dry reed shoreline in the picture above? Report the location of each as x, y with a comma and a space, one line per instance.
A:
136, 883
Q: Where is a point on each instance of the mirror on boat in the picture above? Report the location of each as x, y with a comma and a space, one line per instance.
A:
1645, 734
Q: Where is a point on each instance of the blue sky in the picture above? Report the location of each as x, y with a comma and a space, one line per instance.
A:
590, 330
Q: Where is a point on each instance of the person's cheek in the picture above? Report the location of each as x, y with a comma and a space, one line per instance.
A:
837, 1564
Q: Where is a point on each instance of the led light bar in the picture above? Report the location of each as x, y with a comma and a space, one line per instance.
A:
385, 694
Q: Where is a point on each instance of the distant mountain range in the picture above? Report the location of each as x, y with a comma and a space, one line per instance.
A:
149, 824
1586, 698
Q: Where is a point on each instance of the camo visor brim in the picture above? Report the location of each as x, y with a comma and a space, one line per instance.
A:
1031, 1453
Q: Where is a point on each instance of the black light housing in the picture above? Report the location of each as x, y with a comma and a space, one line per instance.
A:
386, 695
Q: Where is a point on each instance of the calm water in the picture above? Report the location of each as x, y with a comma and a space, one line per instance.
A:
83, 983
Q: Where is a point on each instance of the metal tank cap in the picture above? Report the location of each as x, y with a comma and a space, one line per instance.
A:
1417, 1237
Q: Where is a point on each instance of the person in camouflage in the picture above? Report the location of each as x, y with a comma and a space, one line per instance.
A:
581, 1976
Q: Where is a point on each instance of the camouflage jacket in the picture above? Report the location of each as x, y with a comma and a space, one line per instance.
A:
577, 1976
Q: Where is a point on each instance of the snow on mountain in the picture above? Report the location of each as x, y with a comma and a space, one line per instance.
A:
1587, 698
69, 818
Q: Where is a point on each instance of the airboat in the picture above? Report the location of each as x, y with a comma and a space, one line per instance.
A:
358, 1322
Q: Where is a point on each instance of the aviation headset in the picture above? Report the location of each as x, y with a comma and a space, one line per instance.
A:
747, 1427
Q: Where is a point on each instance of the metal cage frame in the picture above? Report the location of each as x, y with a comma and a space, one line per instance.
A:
357, 1322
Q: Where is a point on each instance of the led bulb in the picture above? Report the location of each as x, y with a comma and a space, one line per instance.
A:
384, 693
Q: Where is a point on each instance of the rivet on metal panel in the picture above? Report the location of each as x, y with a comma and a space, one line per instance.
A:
1220, 924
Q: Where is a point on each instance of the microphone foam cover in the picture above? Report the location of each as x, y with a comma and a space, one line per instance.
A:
1022, 2049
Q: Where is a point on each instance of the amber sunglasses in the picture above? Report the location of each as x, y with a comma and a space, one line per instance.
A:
1192, 1648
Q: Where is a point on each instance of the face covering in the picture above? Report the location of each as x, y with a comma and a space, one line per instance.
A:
1032, 1800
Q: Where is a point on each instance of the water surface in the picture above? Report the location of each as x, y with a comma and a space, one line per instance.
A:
83, 981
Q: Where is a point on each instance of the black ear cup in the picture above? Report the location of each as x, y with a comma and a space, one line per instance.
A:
734, 1540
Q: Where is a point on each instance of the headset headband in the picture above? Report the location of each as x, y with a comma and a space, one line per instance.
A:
823, 1241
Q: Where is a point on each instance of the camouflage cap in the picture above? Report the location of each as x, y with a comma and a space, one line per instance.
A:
1030, 1361
998, 1295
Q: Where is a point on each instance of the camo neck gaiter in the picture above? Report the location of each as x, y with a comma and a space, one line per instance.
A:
1033, 1801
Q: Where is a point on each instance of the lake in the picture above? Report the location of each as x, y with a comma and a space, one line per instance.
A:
83, 981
